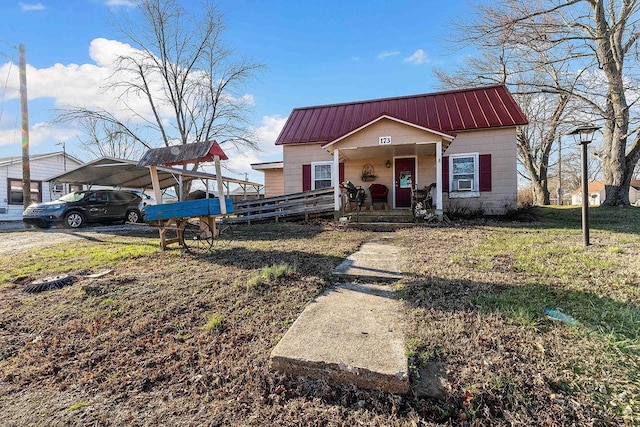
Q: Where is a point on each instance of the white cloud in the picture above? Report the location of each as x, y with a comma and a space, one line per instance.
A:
61, 85
39, 133
240, 160
29, 7
386, 54
269, 131
418, 57
90, 85
248, 99
105, 52
9, 137
121, 3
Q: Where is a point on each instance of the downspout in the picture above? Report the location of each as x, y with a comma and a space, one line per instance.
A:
439, 210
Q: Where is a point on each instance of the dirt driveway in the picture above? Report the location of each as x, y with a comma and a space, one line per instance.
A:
15, 238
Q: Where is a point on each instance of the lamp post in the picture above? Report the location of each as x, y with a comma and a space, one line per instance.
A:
584, 135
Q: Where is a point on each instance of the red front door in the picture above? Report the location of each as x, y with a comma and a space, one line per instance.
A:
405, 176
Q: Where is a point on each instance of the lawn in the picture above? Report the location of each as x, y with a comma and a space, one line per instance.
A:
173, 339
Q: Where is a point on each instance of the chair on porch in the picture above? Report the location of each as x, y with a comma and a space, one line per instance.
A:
379, 193
422, 202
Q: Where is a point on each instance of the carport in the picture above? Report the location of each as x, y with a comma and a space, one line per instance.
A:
123, 173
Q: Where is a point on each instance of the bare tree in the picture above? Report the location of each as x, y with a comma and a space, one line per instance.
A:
599, 39
105, 139
188, 81
536, 75
572, 171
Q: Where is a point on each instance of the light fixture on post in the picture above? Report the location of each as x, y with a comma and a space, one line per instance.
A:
388, 164
583, 135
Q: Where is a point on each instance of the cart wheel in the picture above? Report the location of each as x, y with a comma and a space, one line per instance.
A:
197, 236
224, 234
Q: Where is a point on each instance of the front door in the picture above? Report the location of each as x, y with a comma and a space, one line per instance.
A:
405, 176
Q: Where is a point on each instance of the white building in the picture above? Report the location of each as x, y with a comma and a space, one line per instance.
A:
597, 193
42, 167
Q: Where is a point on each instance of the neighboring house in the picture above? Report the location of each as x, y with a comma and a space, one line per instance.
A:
249, 192
597, 193
463, 141
42, 167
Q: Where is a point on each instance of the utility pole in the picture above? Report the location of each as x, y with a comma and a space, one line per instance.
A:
64, 154
26, 168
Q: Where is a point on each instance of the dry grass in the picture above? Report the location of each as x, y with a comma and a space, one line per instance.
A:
173, 339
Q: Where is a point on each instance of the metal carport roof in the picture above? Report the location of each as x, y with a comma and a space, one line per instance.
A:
123, 173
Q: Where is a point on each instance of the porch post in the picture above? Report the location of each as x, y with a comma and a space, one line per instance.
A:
335, 177
439, 210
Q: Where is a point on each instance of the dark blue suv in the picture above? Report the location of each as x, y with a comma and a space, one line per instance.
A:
75, 209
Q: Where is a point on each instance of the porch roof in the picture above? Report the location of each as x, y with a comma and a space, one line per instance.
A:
421, 148
444, 112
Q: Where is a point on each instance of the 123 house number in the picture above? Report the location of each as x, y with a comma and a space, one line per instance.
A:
384, 140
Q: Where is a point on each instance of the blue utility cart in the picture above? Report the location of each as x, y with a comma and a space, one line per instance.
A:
191, 224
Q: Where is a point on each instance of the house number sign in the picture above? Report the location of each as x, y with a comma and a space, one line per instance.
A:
384, 140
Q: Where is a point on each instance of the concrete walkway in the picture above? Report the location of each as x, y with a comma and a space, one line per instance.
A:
352, 334
376, 260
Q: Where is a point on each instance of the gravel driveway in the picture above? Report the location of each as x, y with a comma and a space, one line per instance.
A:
15, 238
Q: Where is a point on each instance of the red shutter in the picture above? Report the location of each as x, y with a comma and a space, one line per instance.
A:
445, 174
306, 177
340, 173
485, 172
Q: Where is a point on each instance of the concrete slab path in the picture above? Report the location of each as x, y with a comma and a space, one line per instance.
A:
375, 260
352, 334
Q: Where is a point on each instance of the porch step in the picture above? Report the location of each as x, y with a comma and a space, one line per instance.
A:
385, 216
381, 226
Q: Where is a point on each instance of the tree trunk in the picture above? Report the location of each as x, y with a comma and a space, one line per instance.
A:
541, 195
617, 194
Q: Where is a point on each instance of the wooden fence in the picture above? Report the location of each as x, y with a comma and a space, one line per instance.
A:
291, 206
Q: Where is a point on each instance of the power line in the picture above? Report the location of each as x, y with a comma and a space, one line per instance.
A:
6, 83
4, 90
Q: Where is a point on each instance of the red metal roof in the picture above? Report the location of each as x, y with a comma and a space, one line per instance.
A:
197, 152
446, 112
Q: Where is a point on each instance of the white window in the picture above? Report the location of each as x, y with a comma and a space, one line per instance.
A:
464, 176
321, 175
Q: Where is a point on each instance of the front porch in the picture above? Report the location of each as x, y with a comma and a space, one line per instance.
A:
408, 158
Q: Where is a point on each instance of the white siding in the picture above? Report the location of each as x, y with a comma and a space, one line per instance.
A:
41, 169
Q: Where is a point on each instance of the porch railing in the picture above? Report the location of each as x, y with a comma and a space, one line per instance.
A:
307, 204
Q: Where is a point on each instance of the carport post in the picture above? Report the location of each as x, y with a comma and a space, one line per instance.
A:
155, 182
335, 176
439, 207
223, 204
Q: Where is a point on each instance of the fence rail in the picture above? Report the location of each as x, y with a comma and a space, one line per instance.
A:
306, 204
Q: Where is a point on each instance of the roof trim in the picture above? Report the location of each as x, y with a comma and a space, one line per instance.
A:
127, 174
18, 159
267, 165
446, 136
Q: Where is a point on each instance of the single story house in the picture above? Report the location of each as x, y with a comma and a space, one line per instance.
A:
597, 194
461, 141
42, 167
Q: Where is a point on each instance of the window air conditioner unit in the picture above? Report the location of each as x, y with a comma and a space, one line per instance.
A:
465, 184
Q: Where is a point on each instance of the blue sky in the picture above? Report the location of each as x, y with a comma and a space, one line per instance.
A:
314, 52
